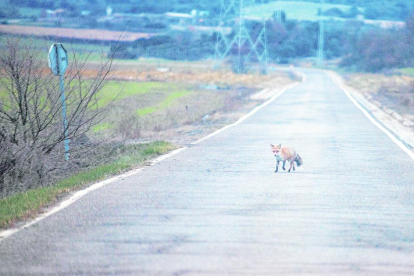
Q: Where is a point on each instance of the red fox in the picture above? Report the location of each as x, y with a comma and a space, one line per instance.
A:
286, 154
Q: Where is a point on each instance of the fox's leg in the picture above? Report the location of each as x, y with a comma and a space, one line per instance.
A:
291, 165
284, 163
277, 165
294, 166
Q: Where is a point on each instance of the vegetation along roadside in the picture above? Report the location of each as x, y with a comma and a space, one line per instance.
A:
29, 203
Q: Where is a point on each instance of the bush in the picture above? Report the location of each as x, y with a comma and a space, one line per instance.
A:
31, 125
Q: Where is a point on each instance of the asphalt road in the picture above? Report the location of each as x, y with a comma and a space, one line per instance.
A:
217, 208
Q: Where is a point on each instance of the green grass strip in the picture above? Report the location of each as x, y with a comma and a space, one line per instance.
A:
146, 110
173, 97
110, 91
101, 127
28, 204
170, 100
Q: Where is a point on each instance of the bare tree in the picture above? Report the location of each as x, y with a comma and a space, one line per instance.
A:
31, 127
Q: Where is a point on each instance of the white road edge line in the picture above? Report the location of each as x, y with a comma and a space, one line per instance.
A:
337, 82
79, 194
165, 156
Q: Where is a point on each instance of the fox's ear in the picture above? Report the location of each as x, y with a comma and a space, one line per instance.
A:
279, 146
272, 146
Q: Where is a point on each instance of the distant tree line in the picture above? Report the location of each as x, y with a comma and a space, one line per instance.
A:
379, 49
380, 9
359, 46
373, 9
353, 43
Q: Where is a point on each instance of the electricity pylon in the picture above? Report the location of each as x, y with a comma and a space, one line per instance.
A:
321, 38
241, 45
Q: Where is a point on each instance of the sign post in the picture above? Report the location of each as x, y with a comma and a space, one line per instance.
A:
58, 62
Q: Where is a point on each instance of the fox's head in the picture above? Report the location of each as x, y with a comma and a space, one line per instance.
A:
275, 149
299, 160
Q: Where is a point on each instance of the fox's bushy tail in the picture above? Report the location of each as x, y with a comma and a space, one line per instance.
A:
298, 160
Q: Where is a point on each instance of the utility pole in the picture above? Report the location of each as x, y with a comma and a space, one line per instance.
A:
321, 37
234, 39
279, 12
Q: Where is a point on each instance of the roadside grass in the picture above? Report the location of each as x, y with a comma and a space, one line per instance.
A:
137, 101
146, 110
391, 91
101, 127
28, 204
141, 100
167, 102
145, 115
128, 89
173, 97
118, 90
372, 83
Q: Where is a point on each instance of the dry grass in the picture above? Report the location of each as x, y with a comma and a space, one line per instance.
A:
179, 98
222, 78
395, 91
377, 83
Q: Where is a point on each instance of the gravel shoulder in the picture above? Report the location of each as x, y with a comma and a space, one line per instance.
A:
399, 123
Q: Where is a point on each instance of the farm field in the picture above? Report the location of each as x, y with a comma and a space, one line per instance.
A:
148, 105
178, 104
298, 10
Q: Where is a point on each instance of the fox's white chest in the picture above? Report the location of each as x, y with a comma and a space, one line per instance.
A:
278, 157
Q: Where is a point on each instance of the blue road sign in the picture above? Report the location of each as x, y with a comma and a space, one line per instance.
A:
58, 59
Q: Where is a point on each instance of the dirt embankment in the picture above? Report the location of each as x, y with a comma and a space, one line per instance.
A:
393, 94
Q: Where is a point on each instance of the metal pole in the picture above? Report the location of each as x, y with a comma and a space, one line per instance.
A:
239, 61
65, 123
63, 99
264, 62
321, 39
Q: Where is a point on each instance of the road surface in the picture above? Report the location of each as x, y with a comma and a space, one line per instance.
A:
217, 208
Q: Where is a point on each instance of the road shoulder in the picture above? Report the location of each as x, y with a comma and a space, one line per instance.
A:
389, 119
